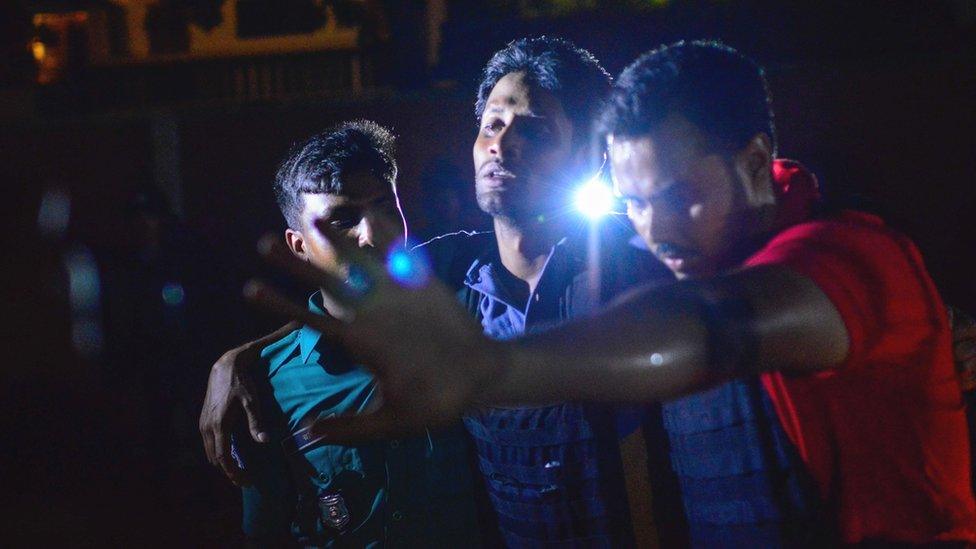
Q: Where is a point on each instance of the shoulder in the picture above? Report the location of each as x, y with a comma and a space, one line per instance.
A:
873, 275
848, 233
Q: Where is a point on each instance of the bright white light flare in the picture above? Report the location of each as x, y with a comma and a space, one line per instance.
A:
594, 199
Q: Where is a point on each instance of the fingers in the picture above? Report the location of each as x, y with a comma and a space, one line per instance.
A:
965, 350
271, 248
225, 459
964, 346
967, 374
271, 300
254, 421
964, 333
380, 424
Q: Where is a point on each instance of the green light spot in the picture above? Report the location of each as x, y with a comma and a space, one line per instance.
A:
173, 294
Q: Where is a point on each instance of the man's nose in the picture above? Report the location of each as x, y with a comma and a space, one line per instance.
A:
508, 144
364, 233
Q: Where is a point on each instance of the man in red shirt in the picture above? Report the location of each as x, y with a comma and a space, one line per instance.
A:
826, 322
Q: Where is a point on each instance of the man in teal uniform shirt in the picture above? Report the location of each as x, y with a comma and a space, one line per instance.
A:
387, 493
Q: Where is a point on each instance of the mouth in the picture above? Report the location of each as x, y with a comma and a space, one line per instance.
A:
496, 176
676, 259
675, 263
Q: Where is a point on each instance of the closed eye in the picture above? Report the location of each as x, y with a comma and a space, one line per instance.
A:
344, 224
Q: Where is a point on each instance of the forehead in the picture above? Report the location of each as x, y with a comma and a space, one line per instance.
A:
655, 159
358, 189
514, 92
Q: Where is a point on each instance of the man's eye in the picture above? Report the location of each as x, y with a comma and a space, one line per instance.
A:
343, 224
491, 128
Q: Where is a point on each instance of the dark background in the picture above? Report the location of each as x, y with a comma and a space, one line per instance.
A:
168, 177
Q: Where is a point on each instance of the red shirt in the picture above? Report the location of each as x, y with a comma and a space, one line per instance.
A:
884, 434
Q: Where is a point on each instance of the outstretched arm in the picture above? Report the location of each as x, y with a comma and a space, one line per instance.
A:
433, 363
662, 342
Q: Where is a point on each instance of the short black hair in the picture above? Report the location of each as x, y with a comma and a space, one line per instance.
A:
319, 164
557, 65
713, 86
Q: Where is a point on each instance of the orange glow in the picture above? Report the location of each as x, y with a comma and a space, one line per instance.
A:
52, 58
38, 49
60, 19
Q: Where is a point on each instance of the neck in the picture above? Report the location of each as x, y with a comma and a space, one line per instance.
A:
333, 308
524, 247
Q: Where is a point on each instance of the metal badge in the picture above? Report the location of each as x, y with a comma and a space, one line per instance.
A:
334, 511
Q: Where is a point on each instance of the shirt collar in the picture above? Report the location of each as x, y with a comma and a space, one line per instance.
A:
308, 337
483, 276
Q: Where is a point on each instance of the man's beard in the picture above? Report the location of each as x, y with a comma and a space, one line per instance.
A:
493, 204
514, 209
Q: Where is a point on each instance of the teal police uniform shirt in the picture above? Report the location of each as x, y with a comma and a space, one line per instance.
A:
404, 492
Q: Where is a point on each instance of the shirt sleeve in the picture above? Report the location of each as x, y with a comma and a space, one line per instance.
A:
874, 277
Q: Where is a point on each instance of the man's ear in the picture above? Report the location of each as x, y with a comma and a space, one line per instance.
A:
296, 243
754, 164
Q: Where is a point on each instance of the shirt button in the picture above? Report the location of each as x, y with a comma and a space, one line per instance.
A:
537, 298
324, 477
394, 444
397, 515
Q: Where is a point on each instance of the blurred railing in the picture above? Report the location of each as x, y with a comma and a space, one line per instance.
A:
267, 78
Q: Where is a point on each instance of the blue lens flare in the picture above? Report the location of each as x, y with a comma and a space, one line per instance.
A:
409, 268
357, 280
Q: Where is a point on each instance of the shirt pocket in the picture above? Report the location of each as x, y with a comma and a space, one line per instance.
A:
354, 474
338, 466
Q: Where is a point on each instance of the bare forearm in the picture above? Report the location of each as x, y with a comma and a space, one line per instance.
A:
664, 342
651, 347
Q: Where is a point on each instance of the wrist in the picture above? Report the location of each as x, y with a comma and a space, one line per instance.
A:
511, 379
239, 359
496, 364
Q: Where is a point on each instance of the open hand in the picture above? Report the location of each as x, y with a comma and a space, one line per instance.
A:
429, 356
230, 393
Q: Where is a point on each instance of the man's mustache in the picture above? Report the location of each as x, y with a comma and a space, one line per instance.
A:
497, 167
